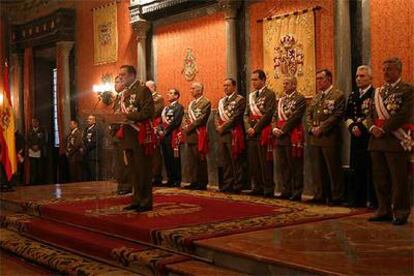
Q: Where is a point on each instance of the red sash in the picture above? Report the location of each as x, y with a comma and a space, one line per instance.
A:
237, 141
296, 138
176, 141
120, 133
266, 138
146, 136
202, 142
156, 122
379, 123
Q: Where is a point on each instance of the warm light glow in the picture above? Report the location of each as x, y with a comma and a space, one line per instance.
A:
95, 88
100, 88
1, 98
107, 86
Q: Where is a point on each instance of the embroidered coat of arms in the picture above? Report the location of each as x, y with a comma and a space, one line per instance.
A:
190, 66
288, 57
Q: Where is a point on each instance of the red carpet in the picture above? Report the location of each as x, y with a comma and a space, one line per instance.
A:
111, 250
179, 217
170, 211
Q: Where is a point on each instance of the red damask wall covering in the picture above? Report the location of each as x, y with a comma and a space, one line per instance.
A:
206, 37
324, 28
88, 74
392, 34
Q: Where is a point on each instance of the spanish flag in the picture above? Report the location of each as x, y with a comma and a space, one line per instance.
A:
8, 157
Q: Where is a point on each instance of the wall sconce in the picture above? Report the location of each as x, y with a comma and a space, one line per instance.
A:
105, 90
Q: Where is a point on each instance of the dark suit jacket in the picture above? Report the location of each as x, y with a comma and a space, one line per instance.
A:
202, 110
267, 104
294, 108
91, 142
402, 95
174, 114
357, 110
140, 107
326, 112
234, 108
37, 138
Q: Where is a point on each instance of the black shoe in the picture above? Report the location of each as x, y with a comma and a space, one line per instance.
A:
143, 209
254, 193
399, 221
132, 207
175, 184
200, 187
335, 203
123, 192
295, 198
236, 192
316, 201
227, 191
380, 218
269, 195
6, 189
282, 196
157, 184
192, 186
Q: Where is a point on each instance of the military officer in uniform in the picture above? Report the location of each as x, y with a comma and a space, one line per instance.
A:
229, 126
157, 158
37, 142
323, 123
74, 151
120, 162
138, 138
171, 137
360, 188
288, 130
257, 122
92, 144
195, 130
391, 126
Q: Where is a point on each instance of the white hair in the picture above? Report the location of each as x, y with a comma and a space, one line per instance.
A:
366, 68
150, 83
199, 86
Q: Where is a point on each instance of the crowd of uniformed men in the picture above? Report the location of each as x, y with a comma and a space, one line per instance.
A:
148, 133
380, 123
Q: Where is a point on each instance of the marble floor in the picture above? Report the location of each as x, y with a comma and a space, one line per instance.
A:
345, 246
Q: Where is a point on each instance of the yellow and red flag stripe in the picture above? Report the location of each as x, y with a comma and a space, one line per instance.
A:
8, 155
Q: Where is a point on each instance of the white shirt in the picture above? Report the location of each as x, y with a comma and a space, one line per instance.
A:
363, 91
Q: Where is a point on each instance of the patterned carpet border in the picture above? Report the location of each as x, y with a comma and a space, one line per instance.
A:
150, 261
53, 258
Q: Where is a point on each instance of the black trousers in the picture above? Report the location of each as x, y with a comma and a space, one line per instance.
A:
37, 174
360, 189
172, 163
91, 170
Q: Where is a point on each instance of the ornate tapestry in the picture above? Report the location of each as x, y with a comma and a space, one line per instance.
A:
289, 50
105, 34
